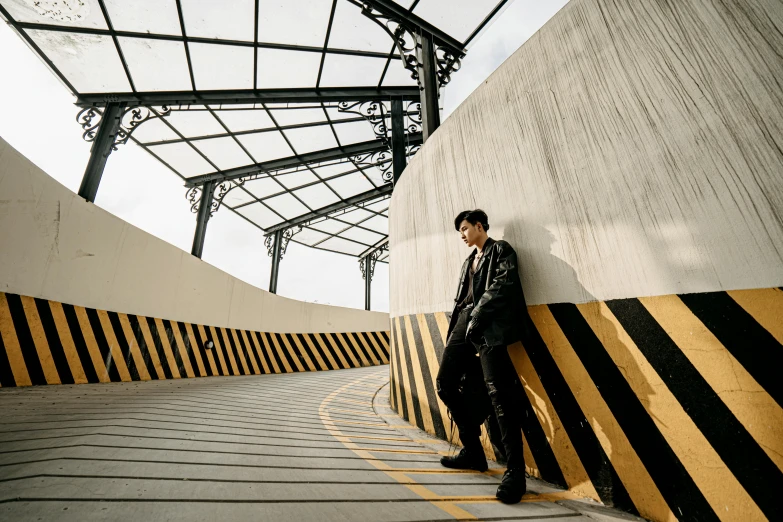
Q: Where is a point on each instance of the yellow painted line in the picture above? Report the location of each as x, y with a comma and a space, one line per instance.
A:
240, 351
236, 365
765, 305
395, 439
283, 358
115, 354
567, 458
259, 352
39, 340
418, 376
269, 353
66, 339
746, 399
722, 490
354, 363
151, 348
357, 423
406, 385
133, 347
92, 344
12, 348
210, 352
408, 452
202, 370
353, 412
637, 481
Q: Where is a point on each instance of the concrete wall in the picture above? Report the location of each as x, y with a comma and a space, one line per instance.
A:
56, 246
632, 154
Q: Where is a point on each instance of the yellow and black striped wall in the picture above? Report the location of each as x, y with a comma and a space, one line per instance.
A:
47, 342
669, 407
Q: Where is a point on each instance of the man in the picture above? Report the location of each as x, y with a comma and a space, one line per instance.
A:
488, 316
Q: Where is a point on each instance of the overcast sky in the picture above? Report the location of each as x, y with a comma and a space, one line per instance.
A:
37, 117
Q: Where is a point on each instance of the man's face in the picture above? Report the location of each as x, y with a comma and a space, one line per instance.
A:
470, 233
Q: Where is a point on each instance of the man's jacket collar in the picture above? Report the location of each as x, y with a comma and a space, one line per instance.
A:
487, 246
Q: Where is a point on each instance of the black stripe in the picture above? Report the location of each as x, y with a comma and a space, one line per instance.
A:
53, 338
240, 346
319, 349
286, 353
403, 411
411, 380
261, 351
273, 352
311, 353
597, 465
81, 345
371, 342
437, 340
355, 338
297, 352
346, 346
381, 345
429, 387
29, 353
144, 350
224, 334
227, 369
103, 344
385, 336
760, 477
169, 329
183, 332
251, 354
336, 350
6, 374
673, 480
164, 362
114, 320
202, 350
749, 342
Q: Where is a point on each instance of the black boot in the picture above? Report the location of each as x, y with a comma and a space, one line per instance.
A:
512, 487
467, 459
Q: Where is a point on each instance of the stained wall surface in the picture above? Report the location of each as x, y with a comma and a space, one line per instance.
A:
632, 154
56, 246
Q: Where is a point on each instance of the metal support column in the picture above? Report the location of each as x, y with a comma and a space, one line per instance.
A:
398, 139
367, 280
202, 218
101, 148
428, 83
276, 255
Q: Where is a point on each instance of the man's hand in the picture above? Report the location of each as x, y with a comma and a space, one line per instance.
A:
473, 332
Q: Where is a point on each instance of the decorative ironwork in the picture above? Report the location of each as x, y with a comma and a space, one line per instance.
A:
373, 257
193, 196
286, 236
413, 113
372, 111
381, 159
90, 120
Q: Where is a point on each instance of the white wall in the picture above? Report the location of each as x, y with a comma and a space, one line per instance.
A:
627, 149
56, 246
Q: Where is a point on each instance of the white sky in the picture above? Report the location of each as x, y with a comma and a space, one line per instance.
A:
37, 117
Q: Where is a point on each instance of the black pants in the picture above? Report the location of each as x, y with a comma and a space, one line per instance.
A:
473, 386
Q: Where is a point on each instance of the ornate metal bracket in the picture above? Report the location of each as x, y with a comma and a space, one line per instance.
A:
193, 195
269, 242
90, 120
413, 113
372, 111
381, 159
373, 257
406, 40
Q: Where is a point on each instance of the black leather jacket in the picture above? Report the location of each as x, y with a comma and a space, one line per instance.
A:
499, 302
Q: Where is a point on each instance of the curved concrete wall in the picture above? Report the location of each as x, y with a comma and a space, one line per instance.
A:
631, 152
56, 246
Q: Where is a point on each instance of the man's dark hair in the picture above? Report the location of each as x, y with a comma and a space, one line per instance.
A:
472, 217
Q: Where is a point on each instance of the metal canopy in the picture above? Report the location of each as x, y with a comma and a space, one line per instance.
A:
283, 109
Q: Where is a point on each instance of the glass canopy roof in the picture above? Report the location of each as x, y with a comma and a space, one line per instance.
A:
269, 98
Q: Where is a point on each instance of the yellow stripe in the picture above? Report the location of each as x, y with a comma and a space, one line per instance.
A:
269, 353
332, 350
240, 351
354, 363
224, 369
11, 342
432, 362
383, 340
765, 305
320, 360
424, 403
92, 344
164, 341
379, 351
570, 464
530, 463
364, 362
721, 489
66, 339
746, 399
151, 348
209, 351
40, 341
357, 340
183, 352
406, 385
194, 348
309, 340
397, 378
292, 350
138, 359
279, 350
234, 364
114, 346
249, 347
443, 325
637, 481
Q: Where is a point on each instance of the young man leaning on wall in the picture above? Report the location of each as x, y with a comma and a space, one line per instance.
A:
487, 317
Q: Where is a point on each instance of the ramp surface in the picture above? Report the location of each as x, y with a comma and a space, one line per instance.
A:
320, 446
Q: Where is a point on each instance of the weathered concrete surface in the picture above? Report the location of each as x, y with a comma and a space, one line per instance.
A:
271, 447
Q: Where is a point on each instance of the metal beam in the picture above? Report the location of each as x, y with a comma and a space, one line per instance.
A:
392, 9
276, 255
367, 280
399, 150
334, 207
242, 96
430, 115
100, 150
202, 218
375, 247
296, 161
